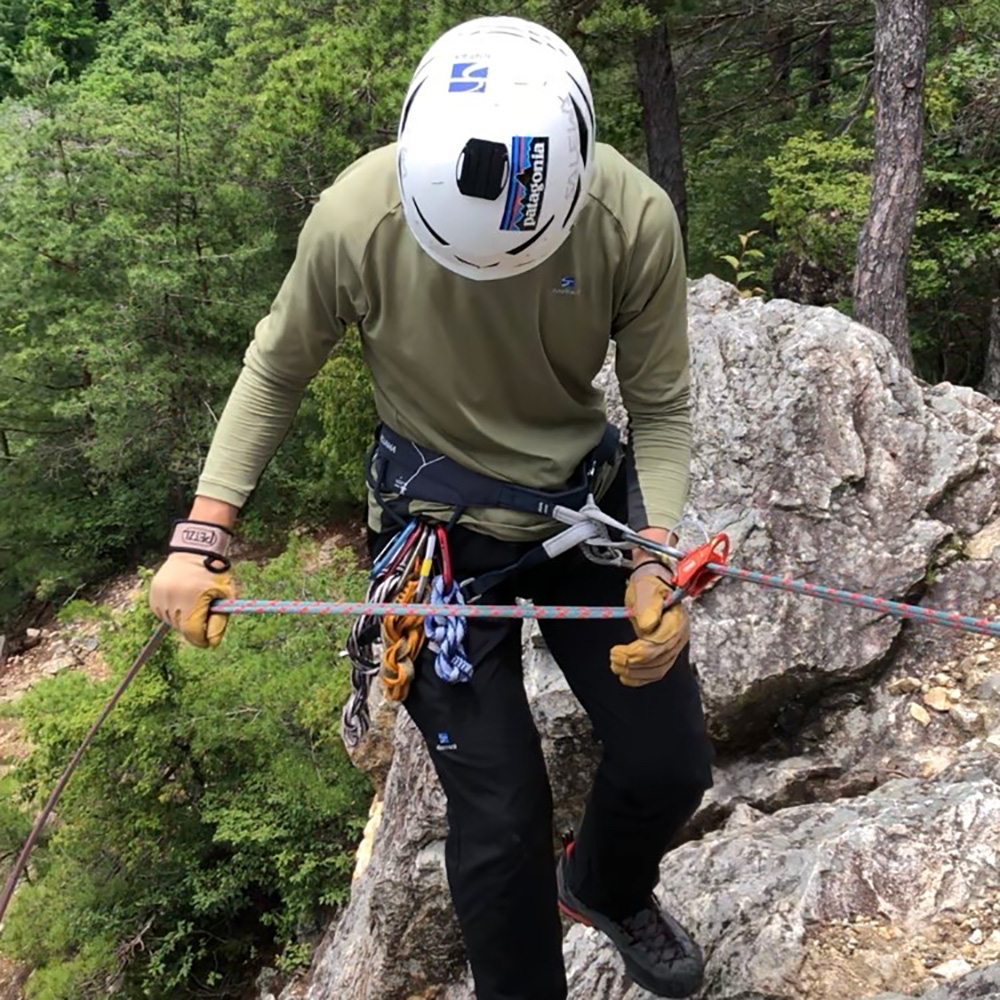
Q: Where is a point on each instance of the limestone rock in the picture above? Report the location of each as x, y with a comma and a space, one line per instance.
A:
982, 984
772, 903
952, 969
824, 459
767, 785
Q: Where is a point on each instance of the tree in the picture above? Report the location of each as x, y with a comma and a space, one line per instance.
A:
884, 244
990, 384
657, 84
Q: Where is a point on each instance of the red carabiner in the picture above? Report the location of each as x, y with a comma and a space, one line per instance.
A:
692, 575
445, 551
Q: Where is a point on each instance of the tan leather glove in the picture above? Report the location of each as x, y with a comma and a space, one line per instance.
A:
181, 593
662, 632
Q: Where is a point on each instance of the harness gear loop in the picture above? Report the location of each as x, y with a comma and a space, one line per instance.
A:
402, 637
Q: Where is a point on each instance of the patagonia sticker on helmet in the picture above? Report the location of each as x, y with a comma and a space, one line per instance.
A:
529, 161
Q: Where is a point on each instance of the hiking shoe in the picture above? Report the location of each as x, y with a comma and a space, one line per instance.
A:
659, 955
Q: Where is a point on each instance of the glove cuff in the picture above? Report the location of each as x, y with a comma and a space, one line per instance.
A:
202, 538
664, 567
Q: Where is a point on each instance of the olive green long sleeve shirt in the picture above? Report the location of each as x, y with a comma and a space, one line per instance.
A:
497, 375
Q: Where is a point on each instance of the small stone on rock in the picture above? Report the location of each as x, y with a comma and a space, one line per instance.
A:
966, 718
920, 713
58, 664
990, 688
977, 937
952, 969
904, 685
937, 698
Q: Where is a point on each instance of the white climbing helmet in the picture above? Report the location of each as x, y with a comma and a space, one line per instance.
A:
496, 147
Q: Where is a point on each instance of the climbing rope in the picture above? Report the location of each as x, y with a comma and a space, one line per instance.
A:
151, 646
930, 616
355, 718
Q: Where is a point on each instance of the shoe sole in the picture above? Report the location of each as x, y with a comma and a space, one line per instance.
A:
683, 982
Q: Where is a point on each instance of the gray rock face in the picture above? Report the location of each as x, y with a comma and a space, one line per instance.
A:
780, 898
849, 847
825, 460
983, 984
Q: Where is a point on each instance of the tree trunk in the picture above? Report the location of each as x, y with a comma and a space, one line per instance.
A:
780, 43
884, 244
990, 385
822, 68
661, 117
781, 58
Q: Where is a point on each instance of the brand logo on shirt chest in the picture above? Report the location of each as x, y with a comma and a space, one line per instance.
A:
567, 286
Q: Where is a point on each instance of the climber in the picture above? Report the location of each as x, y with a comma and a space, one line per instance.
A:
488, 257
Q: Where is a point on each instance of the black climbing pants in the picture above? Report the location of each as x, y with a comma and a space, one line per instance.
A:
654, 769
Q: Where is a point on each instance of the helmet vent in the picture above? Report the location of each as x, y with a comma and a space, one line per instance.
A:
586, 99
584, 131
409, 104
524, 246
478, 267
430, 228
482, 169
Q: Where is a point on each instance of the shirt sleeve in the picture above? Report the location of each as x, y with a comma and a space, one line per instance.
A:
320, 296
653, 367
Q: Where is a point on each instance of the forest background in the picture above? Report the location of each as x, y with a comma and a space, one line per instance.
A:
156, 163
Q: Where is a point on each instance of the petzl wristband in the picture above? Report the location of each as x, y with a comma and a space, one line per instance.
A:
202, 538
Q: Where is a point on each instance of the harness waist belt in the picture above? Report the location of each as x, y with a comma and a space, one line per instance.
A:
397, 465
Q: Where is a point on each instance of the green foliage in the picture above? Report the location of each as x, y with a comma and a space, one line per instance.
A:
343, 394
819, 197
955, 268
742, 266
63, 29
216, 812
134, 266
